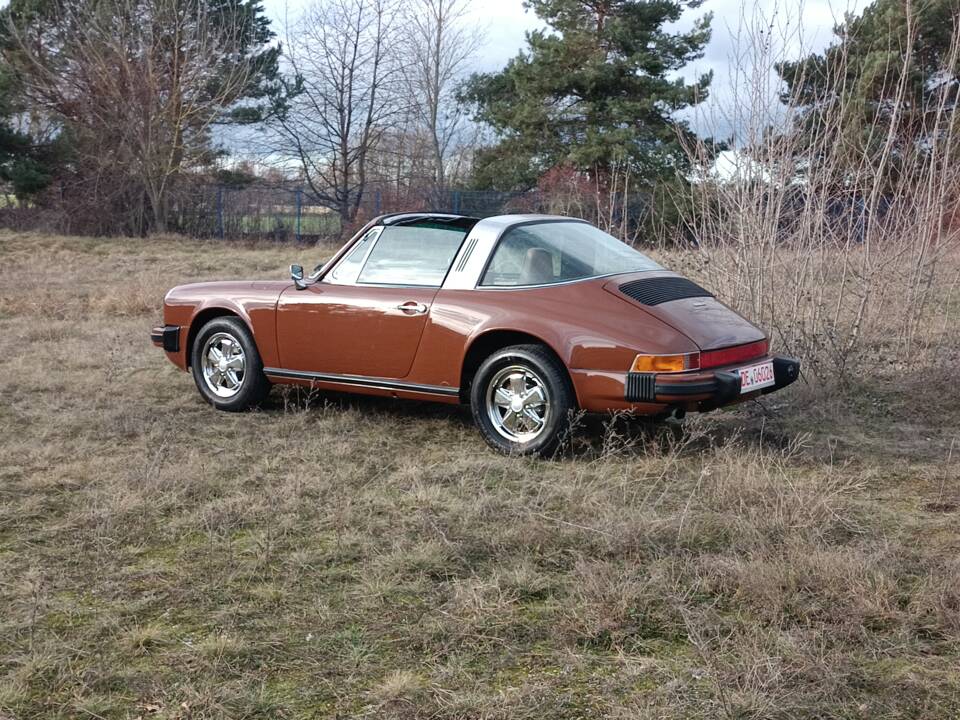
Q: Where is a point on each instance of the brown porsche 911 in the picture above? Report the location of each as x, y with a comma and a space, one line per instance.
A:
524, 317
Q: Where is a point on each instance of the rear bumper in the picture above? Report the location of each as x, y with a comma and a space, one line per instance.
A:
709, 388
166, 337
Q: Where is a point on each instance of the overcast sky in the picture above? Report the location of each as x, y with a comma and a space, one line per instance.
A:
797, 25
507, 22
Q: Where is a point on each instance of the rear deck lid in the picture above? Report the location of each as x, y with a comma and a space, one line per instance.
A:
687, 307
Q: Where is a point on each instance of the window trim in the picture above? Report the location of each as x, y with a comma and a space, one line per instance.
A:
327, 278
502, 288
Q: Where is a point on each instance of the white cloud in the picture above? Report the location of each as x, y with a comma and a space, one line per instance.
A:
792, 28
798, 25
505, 23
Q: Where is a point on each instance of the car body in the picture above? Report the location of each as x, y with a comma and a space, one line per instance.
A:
415, 304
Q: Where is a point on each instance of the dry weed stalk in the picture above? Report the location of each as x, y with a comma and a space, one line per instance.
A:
837, 240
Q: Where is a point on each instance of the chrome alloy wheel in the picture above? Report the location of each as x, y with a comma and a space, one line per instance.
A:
518, 403
224, 364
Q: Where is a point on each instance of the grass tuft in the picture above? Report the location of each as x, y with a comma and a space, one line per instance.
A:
343, 557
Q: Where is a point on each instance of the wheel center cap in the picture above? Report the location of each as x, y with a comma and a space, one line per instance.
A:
516, 405
222, 365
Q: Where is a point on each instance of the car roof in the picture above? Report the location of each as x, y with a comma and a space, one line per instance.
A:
408, 218
467, 222
505, 221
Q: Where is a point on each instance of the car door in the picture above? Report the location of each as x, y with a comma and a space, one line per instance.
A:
368, 313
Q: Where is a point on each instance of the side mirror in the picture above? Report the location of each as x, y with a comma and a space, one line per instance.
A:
296, 274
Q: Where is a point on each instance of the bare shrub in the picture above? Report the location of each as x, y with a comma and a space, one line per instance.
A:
837, 245
139, 86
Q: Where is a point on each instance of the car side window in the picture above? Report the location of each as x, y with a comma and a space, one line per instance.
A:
418, 255
511, 263
543, 253
347, 269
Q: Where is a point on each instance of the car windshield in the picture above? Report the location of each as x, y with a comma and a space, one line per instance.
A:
553, 252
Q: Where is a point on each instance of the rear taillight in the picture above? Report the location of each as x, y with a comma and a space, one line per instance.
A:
666, 363
733, 355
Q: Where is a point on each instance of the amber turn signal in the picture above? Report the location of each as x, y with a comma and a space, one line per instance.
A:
666, 363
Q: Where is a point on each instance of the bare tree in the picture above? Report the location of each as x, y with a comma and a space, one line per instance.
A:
439, 44
138, 85
345, 97
837, 244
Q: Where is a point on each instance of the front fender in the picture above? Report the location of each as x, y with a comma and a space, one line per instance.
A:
190, 306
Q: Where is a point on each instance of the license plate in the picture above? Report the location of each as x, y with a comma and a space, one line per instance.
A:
756, 377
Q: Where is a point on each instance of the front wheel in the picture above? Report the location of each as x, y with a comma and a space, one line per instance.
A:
521, 401
227, 367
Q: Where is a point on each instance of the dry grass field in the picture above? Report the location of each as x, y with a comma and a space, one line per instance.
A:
341, 557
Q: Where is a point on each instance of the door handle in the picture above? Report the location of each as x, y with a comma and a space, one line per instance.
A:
412, 307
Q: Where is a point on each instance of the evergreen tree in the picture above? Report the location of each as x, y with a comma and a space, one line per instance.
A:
593, 91
26, 163
885, 77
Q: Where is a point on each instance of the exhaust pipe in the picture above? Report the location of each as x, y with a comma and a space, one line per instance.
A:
676, 414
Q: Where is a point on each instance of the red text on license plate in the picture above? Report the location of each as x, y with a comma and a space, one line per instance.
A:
756, 377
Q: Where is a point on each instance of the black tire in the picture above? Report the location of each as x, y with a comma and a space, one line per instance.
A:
544, 370
253, 385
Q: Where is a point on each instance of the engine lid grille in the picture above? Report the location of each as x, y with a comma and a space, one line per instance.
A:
654, 291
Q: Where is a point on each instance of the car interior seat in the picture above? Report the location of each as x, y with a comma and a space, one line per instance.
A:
537, 267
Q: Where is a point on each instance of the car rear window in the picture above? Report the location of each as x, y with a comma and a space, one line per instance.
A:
412, 255
553, 252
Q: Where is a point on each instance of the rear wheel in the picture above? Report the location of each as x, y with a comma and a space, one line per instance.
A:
521, 401
226, 365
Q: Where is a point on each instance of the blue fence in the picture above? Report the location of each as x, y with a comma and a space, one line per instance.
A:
288, 214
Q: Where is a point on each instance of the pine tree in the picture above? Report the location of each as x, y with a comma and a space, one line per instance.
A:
594, 90
885, 77
26, 163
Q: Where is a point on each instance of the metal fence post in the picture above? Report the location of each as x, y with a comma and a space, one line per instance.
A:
299, 210
457, 202
220, 211
377, 202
